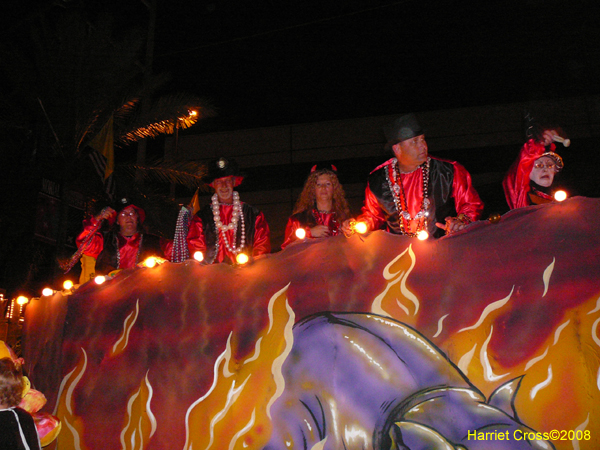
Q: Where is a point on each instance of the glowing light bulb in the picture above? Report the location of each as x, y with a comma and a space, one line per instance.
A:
198, 256
22, 300
559, 196
300, 233
47, 292
150, 262
242, 258
68, 284
100, 279
422, 235
360, 227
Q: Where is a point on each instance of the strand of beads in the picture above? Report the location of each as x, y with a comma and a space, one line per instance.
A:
399, 197
236, 217
180, 248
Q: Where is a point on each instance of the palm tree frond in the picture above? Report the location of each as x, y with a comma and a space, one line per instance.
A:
186, 173
168, 113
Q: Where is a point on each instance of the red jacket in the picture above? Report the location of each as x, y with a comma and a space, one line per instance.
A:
516, 182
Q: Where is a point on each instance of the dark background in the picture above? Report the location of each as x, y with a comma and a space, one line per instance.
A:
270, 62
275, 62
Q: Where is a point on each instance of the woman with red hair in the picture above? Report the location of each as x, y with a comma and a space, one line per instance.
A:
321, 208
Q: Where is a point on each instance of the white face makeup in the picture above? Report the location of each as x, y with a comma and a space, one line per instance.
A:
543, 171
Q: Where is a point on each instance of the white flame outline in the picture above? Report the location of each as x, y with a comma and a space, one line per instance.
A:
541, 385
546, 276
597, 308
72, 385
400, 277
74, 433
151, 416
465, 360
559, 330
127, 327
532, 361
485, 362
244, 429
597, 341
222, 356
439, 330
256, 351
594, 336
232, 396
488, 309
289, 341
69, 396
581, 427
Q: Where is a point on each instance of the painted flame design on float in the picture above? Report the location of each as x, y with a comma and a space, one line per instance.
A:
547, 275
487, 311
541, 385
128, 324
71, 432
389, 302
469, 346
440, 326
485, 361
476, 334
141, 423
230, 415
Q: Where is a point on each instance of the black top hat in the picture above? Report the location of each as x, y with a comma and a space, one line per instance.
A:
223, 167
403, 128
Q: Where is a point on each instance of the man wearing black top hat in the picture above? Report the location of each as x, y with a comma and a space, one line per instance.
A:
227, 227
414, 193
123, 244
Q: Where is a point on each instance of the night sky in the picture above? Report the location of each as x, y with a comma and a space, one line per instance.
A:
268, 62
271, 62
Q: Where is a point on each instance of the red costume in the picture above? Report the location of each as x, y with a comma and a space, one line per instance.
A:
307, 220
115, 251
450, 192
203, 236
517, 184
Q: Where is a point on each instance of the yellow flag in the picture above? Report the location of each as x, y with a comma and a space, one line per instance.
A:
103, 142
195, 203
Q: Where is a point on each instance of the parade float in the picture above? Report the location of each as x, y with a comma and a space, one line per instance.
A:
486, 339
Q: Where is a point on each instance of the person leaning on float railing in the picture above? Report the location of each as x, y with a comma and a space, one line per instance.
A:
414, 194
321, 208
530, 179
120, 245
227, 230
